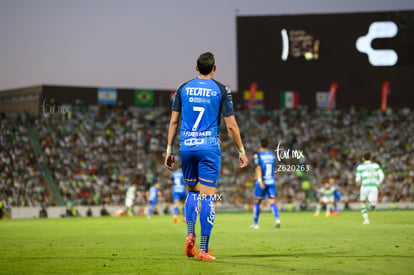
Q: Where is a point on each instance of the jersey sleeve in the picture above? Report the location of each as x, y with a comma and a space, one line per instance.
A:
227, 102
256, 160
176, 105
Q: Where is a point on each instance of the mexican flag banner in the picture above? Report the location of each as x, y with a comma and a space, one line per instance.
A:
289, 99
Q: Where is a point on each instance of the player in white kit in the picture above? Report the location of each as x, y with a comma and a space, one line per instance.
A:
370, 175
327, 198
130, 199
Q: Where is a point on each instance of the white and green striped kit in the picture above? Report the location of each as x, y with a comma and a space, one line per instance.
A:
369, 174
328, 193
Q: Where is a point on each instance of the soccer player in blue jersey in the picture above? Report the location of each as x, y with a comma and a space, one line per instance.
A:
179, 193
201, 102
265, 162
337, 196
152, 196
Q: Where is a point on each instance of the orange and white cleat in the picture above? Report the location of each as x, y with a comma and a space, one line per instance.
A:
189, 248
175, 219
204, 256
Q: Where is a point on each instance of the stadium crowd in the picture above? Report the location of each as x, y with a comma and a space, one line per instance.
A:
97, 152
21, 181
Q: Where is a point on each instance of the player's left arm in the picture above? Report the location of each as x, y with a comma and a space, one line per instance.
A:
234, 133
172, 133
381, 174
231, 124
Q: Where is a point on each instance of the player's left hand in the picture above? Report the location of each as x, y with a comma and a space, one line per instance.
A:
169, 161
243, 160
262, 186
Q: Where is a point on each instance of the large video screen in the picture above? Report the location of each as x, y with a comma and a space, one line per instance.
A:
307, 53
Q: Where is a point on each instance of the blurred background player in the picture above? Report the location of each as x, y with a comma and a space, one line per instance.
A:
337, 197
152, 197
265, 162
201, 102
369, 175
327, 198
179, 193
130, 199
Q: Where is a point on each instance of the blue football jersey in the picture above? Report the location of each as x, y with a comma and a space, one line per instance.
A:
266, 160
201, 103
178, 182
153, 194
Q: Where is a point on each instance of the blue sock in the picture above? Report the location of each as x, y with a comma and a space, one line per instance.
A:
336, 208
275, 210
150, 210
207, 217
204, 242
183, 211
175, 210
191, 211
256, 212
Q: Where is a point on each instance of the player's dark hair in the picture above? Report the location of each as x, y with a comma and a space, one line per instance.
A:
205, 63
367, 156
264, 142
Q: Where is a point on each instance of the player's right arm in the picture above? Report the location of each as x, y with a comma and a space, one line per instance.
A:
234, 133
172, 129
358, 175
172, 133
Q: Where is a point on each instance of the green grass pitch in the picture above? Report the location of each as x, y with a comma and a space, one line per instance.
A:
303, 245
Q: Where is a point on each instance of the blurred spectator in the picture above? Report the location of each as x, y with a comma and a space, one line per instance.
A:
43, 212
89, 212
104, 212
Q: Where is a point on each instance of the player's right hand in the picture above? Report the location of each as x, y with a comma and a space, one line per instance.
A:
169, 161
243, 160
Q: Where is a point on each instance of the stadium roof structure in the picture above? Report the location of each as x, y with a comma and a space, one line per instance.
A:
30, 99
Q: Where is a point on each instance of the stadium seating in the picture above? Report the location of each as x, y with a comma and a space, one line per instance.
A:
95, 155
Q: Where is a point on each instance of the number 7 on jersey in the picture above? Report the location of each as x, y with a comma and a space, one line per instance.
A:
200, 111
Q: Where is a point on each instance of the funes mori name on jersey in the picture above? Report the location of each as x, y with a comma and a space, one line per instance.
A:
200, 92
197, 134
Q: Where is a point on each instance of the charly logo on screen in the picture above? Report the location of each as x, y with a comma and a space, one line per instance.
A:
378, 30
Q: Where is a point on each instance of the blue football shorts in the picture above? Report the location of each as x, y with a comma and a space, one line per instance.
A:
337, 195
181, 196
269, 191
201, 166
